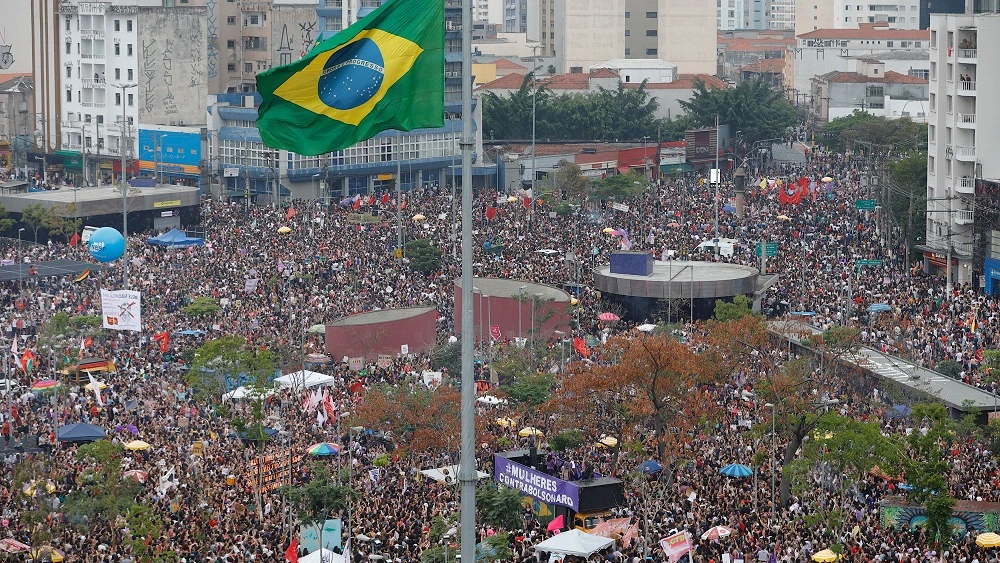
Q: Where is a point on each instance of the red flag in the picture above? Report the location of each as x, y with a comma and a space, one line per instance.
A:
75, 239
371, 200
491, 213
403, 205
290, 214
292, 553
385, 198
164, 339
527, 202
495, 332
357, 204
581, 347
357, 387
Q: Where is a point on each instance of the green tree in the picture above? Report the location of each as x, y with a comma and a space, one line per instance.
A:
60, 221
568, 177
202, 307
530, 390
102, 493
833, 130
319, 498
908, 195
500, 508
145, 525
927, 469
621, 186
754, 108
449, 356
424, 257
739, 308
6, 223
950, 368
568, 440
35, 217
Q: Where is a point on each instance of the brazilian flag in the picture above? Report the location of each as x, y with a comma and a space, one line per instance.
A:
384, 72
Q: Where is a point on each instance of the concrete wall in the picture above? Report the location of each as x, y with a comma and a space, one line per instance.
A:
513, 317
811, 15
589, 32
294, 31
687, 36
15, 38
172, 56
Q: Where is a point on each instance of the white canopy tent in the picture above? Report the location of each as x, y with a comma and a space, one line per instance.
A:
574, 542
322, 556
243, 392
442, 474
304, 379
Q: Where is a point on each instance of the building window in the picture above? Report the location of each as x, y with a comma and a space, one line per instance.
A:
651, 52
118, 49
576, 70
118, 98
130, 76
628, 52
231, 43
68, 20
247, 67
69, 95
651, 15
231, 20
131, 100
628, 33
128, 25
130, 49
69, 48
231, 67
627, 15
118, 74
650, 33
69, 72
118, 25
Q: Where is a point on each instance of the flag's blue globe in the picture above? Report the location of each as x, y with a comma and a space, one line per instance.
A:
352, 75
106, 244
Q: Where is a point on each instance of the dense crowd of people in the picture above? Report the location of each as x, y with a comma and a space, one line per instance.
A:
271, 287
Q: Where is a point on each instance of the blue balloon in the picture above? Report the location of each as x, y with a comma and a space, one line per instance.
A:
106, 244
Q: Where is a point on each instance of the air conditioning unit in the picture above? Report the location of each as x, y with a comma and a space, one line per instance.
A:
118, 41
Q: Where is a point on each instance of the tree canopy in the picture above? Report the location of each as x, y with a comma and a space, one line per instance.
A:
625, 113
753, 108
863, 127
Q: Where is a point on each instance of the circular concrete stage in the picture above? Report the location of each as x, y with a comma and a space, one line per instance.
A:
704, 282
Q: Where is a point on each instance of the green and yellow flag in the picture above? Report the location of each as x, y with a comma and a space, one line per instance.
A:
384, 72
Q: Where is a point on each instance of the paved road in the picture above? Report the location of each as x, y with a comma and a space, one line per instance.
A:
784, 154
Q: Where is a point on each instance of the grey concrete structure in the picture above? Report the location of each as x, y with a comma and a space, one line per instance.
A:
674, 280
106, 200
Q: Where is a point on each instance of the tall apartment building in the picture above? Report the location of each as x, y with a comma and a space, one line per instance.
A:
642, 34
783, 14
811, 15
586, 32
731, 15
47, 73
687, 37
897, 14
961, 154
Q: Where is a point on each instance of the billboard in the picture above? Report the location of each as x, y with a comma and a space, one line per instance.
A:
701, 144
538, 485
171, 151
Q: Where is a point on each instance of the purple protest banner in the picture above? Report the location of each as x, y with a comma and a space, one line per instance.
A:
538, 485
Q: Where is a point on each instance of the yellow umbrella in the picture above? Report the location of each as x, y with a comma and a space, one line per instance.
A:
608, 230
419, 217
47, 552
505, 422
511, 199
827, 179
136, 445
284, 230
784, 218
100, 385
825, 556
529, 431
989, 539
607, 442
573, 301
31, 489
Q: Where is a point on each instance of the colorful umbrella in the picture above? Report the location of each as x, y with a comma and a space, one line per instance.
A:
47, 552
284, 230
608, 317
419, 217
317, 329
529, 431
825, 556
728, 208
827, 179
30, 489
736, 470
716, 533
137, 445
649, 467
505, 422
324, 448
673, 225
100, 385
784, 218
136, 475
44, 385
318, 358
989, 539
512, 199
607, 442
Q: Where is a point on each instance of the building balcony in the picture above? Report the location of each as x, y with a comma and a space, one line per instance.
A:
966, 88
99, 105
966, 120
93, 83
96, 56
968, 56
965, 185
964, 218
92, 33
965, 153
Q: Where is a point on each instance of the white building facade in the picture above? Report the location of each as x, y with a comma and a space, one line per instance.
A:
897, 14
731, 15
963, 140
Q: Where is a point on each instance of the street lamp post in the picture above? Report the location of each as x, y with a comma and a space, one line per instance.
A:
520, 307
773, 451
316, 184
20, 262
534, 89
123, 146
645, 159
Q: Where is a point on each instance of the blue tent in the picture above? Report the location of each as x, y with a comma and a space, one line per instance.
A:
80, 432
175, 238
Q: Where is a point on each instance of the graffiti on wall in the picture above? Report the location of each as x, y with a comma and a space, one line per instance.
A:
306, 34
213, 40
968, 515
6, 57
294, 31
173, 65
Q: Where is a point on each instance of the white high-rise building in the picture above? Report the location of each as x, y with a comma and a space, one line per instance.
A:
783, 14
963, 140
731, 15
904, 14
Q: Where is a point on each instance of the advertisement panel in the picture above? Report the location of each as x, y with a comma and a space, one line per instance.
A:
122, 309
538, 485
